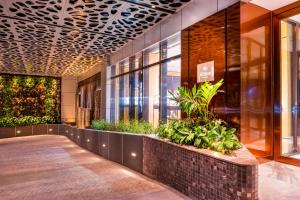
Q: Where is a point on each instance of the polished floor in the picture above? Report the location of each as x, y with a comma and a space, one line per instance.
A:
52, 167
279, 181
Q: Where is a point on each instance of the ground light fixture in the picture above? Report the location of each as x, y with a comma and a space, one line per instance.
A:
133, 154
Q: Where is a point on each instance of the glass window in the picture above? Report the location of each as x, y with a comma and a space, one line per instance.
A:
124, 97
151, 55
151, 95
290, 87
171, 47
170, 81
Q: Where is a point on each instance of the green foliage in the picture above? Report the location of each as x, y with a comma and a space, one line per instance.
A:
133, 126
25, 121
200, 129
101, 125
23, 96
195, 102
213, 135
29, 82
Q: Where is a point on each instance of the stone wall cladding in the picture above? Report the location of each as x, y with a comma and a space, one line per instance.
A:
198, 176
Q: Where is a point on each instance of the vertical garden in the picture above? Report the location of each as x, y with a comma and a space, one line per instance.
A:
27, 100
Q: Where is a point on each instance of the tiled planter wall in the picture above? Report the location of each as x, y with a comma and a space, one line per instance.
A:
42, 129
197, 175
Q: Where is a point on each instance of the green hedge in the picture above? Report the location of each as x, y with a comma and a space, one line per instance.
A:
133, 126
25, 121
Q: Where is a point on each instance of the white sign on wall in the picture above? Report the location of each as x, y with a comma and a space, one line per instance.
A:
205, 71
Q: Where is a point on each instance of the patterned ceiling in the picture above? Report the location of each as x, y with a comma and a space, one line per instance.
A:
68, 37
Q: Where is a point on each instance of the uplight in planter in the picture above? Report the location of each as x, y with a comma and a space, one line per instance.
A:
133, 154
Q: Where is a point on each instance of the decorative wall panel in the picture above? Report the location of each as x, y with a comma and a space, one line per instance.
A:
216, 38
69, 37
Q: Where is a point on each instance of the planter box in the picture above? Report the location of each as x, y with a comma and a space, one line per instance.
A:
79, 137
201, 174
7, 132
72, 133
23, 131
91, 140
103, 141
62, 129
133, 152
53, 129
40, 129
115, 147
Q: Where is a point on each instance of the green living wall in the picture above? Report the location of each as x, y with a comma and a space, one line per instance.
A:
26, 100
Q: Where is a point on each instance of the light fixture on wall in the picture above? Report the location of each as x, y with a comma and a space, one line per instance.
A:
50, 129
103, 145
88, 140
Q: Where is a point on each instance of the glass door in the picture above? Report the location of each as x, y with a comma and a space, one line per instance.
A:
290, 87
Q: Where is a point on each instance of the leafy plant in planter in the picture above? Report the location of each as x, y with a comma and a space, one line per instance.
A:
132, 126
200, 129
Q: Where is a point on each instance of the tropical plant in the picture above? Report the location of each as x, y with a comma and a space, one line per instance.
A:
200, 129
214, 135
195, 102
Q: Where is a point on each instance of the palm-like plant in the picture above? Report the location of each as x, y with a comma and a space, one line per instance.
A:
195, 102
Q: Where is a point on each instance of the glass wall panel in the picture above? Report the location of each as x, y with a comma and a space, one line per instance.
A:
151, 95
171, 47
140, 90
136, 88
170, 81
124, 93
151, 55
290, 86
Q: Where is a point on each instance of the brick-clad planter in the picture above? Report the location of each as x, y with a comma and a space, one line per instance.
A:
201, 174
197, 173
90, 140
7, 132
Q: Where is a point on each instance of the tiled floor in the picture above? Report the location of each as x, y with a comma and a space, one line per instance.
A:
279, 181
52, 167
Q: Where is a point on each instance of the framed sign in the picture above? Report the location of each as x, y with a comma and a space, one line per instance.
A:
205, 71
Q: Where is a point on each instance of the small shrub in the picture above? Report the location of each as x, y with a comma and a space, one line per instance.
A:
133, 126
200, 129
213, 135
25, 121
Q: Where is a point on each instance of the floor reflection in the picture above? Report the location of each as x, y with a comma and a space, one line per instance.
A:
279, 181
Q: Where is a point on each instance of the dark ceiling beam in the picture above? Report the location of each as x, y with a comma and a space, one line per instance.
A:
145, 5
65, 27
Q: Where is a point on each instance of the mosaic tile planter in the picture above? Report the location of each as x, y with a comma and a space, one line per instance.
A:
201, 174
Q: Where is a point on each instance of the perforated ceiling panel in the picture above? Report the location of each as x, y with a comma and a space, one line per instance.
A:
67, 37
